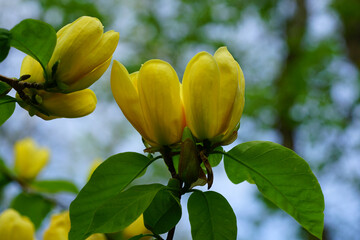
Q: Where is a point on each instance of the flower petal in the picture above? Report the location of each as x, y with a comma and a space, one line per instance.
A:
238, 105
29, 159
95, 57
89, 78
159, 92
201, 89
74, 43
32, 67
229, 86
123, 87
71, 105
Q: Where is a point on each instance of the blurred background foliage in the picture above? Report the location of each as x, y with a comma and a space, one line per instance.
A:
301, 62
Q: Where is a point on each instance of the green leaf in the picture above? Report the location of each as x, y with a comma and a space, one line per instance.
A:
120, 211
7, 107
108, 180
211, 217
4, 43
33, 206
163, 213
215, 158
35, 38
4, 88
281, 176
54, 186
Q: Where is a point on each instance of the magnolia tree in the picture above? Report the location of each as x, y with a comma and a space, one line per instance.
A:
183, 124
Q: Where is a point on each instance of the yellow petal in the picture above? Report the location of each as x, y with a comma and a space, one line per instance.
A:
13, 226
32, 67
73, 45
123, 87
95, 59
201, 89
76, 39
229, 86
29, 158
23, 229
136, 228
97, 236
71, 105
238, 105
59, 227
90, 77
159, 92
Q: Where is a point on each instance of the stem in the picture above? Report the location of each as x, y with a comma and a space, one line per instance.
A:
171, 233
19, 85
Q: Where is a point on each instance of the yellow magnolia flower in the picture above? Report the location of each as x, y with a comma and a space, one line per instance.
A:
60, 226
213, 94
13, 226
29, 158
136, 228
150, 99
82, 53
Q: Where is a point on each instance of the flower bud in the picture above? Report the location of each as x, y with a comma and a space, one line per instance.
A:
82, 54
59, 105
29, 158
189, 163
13, 226
213, 93
150, 99
60, 226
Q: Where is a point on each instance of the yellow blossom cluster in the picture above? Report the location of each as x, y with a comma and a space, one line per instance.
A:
209, 101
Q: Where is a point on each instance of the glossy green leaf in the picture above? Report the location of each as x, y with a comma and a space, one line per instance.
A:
281, 176
33, 206
163, 213
54, 186
7, 107
211, 217
4, 43
108, 180
4, 88
215, 158
123, 209
35, 38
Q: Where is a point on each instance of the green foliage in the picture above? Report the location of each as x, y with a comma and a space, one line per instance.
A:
4, 44
35, 38
163, 213
215, 158
7, 107
4, 88
33, 206
54, 186
211, 217
123, 209
281, 176
107, 181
